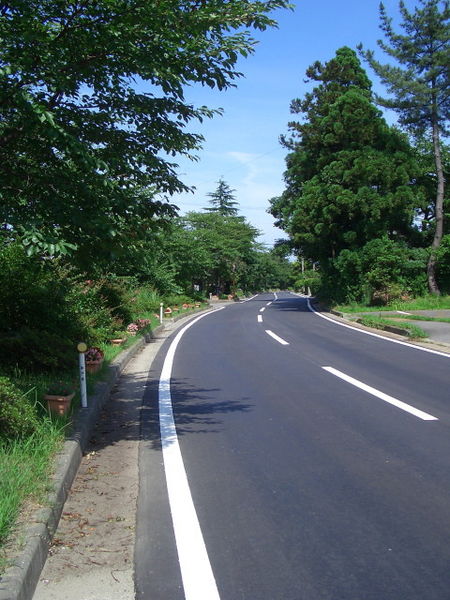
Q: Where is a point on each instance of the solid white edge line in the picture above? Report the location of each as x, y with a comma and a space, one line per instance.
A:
196, 571
382, 396
381, 337
260, 319
276, 337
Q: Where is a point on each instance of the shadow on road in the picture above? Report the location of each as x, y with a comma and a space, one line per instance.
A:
195, 410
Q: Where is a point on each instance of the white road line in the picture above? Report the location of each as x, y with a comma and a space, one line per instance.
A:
248, 299
276, 337
402, 312
381, 337
198, 579
260, 320
382, 396
276, 296
269, 303
262, 309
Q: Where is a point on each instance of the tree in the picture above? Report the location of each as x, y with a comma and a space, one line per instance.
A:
349, 174
419, 88
217, 250
92, 109
223, 200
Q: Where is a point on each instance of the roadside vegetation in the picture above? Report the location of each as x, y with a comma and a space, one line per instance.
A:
365, 204
376, 322
90, 243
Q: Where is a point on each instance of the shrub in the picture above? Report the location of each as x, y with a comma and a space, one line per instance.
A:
18, 417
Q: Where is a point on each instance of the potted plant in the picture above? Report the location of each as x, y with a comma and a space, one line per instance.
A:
142, 323
94, 359
132, 329
59, 396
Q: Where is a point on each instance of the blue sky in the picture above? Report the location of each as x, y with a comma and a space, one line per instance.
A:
242, 145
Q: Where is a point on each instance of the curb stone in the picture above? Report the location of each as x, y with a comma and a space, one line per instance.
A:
19, 581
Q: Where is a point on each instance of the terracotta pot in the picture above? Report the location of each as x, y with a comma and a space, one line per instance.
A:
59, 405
94, 366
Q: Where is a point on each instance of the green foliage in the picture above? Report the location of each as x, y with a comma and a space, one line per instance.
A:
418, 86
348, 175
18, 417
92, 98
222, 200
24, 472
379, 273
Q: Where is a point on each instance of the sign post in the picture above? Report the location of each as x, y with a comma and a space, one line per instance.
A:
82, 347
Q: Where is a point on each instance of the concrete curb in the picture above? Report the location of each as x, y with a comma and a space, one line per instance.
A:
19, 581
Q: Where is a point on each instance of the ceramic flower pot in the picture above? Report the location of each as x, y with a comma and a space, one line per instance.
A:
58, 404
94, 366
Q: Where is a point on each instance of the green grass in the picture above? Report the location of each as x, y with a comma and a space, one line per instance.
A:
420, 318
25, 469
424, 303
380, 323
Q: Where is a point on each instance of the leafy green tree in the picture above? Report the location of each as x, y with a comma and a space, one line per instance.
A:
223, 200
224, 244
92, 110
419, 88
349, 174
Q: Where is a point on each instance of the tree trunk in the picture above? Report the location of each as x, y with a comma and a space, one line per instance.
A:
439, 212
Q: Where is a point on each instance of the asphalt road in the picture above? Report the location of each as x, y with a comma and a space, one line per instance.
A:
305, 486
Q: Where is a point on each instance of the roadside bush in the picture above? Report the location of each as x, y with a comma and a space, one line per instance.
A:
39, 325
380, 272
18, 417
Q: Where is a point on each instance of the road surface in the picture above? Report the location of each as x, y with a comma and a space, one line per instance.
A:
309, 461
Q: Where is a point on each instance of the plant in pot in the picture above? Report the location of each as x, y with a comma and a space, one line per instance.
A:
59, 396
132, 329
94, 359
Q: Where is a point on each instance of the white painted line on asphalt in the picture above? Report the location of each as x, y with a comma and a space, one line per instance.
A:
276, 337
260, 319
198, 578
276, 296
269, 303
248, 299
381, 337
382, 396
262, 309
402, 312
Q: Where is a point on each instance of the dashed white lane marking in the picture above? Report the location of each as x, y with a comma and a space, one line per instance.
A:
381, 337
260, 319
276, 337
269, 303
382, 396
196, 572
402, 312
262, 309
276, 296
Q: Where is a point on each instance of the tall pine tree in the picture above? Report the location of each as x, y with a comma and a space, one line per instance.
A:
223, 200
419, 88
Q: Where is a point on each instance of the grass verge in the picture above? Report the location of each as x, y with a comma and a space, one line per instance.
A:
380, 323
25, 469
